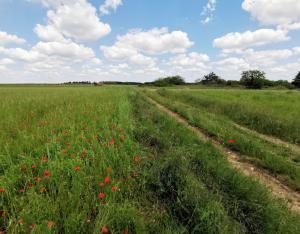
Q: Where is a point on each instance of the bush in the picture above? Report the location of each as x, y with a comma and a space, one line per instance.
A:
253, 79
211, 78
168, 81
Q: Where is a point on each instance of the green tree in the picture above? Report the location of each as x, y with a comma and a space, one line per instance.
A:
211, 78
167, 81
296, 81
253, 79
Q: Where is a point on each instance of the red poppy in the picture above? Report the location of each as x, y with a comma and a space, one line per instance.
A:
77, 168
104, 229
43, 189
32, 226
231, 141
50, 224
114, 188
21, 190
2, 190
44, 159
137, 159
34, 166
101, 184
109, 170
111, 142
101, 196
107, 180
83, 154
47, 174
30, 185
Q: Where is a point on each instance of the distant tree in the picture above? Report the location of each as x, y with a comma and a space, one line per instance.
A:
211, 78
253, 79
170, 80
296, 81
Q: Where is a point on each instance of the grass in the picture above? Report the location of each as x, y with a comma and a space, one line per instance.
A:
184, 168
91, 159
280, 161
269, 112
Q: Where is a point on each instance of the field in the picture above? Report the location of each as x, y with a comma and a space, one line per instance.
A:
107, 160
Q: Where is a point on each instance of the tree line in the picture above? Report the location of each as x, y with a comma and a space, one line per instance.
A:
252, 79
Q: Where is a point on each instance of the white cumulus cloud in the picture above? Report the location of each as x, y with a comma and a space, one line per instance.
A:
6, 38
248, 39
110, 4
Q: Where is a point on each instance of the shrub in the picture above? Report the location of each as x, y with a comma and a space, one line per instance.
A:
296, 81
253, 79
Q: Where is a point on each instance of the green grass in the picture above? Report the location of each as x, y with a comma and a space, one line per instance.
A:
280, 161
197, 185
275, 113
57, 144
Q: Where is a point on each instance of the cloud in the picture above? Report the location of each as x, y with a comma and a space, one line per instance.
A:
248, 39
154, 41
275, 12
110, 4
208, 10
76, 20
192, 59
6, 38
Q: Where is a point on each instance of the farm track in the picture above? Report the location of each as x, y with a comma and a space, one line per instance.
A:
271, 139
277, 188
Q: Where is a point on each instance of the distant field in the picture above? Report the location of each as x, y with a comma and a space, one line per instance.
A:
105, 160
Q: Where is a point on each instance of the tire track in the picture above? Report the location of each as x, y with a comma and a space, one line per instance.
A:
277, 188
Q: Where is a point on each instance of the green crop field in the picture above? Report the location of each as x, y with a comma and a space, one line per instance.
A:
106, 160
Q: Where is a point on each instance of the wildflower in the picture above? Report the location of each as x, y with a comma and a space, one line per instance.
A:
107, 180
39, 179
114, 188
83, 154
137, 159
104, 229
47, 174
123, 138
112, 142
77, 168
34, 166
101, 184
101, 196
231, 141
3, 213
125, 231
32, 226
30, 185
21, 190
42, 190
50, 224
2, 190
109, 170
44, 159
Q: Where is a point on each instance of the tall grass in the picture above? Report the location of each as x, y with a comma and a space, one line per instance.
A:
189, 174
280, 161
274, 113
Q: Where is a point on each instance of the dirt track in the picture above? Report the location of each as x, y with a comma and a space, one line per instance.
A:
276, 187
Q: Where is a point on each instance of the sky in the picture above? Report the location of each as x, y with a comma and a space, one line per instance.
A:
55, 41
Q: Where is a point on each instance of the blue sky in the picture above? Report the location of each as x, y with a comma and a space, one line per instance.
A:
139, 40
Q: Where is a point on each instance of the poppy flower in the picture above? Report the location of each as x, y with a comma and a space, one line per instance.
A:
47, 174
114, 188
107, 180
83, 154
32, 226
111, 142
137, 159
30, 185
43, 189
231, 141
2, 190
21, 221
101, 196
21, 190
109, 170
77, 168
44, 159
101, 184
34, 166
50, 224
104, 229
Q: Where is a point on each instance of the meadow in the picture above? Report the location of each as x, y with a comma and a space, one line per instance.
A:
106, 160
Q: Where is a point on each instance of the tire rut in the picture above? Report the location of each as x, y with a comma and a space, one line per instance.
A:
277, 188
